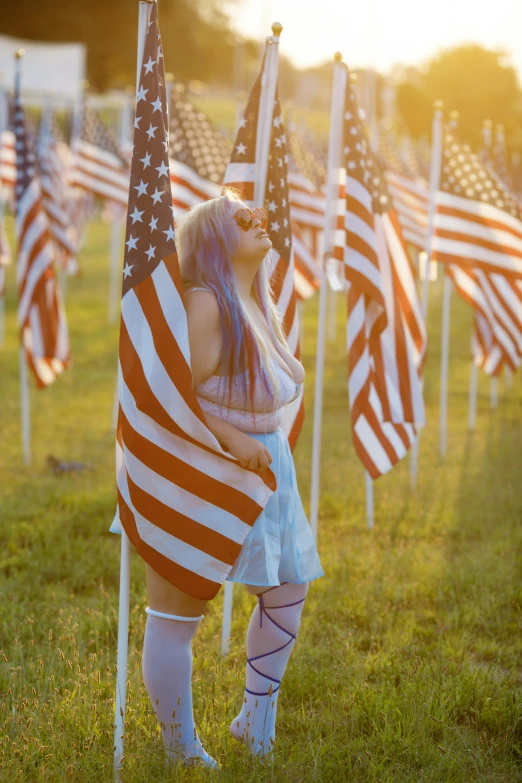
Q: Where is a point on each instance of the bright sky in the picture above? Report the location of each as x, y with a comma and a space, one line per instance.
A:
382, 32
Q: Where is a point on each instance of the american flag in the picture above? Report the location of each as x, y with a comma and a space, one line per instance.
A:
100, 167
5, 255
497, 303
55, 196
479, 236
310, 155
306, 179
385, 332
241, 174
41, 316
185, 504
408, 188
478, 221
198, 152
7, 162
199, 155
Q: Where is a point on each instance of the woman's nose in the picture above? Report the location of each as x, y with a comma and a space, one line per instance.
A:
256, 223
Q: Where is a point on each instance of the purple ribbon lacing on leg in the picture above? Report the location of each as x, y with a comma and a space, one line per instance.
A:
263, 608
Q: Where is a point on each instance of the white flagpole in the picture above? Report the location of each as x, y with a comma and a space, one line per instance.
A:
444, 354
117, 226
25, 408
487, 135
123, 607
264, 129
436, 160
3, 124
494, 392
370, 513
334, 159
444, 361
332, 314
472, 400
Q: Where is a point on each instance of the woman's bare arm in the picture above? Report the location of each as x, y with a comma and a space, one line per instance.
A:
205, 342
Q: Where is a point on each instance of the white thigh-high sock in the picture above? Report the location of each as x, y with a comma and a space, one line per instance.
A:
167, 673
270, 640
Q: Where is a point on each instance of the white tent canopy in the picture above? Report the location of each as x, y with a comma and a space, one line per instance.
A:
49, 70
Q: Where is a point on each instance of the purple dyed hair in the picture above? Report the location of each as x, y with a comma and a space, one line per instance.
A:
206, 239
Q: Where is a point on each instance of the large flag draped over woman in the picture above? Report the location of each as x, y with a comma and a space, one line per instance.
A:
185, 504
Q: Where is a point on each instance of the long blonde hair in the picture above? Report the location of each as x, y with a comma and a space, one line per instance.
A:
206, 239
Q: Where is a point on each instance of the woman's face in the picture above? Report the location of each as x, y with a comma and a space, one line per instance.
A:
254, 243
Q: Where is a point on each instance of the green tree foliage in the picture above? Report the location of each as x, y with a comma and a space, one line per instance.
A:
197, 40
479, 83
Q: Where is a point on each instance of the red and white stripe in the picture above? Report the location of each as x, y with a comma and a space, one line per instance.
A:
282, 282
306, 202
385, 332
7, 160
188, 188
306, 271
99, 172
41, 316
497, 302
474, 234
411, 202
53, 177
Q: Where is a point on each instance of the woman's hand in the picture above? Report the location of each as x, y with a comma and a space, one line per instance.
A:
249, 451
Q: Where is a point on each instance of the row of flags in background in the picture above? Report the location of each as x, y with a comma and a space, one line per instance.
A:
477, 236
383, 204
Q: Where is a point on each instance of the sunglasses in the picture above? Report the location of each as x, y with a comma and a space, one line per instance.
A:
244, 217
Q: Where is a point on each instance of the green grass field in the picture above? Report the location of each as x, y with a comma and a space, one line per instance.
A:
408, 662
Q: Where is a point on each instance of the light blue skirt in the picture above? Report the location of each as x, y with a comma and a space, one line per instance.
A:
280, 546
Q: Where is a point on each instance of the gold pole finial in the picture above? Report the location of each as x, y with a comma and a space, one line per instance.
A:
85, 84
169, 77
438, 105
487, 124
338, 57
277, 29
353, 78
19, 54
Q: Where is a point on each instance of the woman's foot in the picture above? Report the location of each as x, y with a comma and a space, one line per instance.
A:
255, 725
194, 755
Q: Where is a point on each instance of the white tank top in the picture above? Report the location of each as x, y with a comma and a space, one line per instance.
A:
212, 396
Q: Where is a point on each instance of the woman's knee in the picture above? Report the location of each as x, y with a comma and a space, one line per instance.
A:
164, 597
288, 588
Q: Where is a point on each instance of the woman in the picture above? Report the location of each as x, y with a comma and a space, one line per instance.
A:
244, 376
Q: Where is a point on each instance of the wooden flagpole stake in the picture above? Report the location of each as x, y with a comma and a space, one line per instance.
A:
123, 606
334, 152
